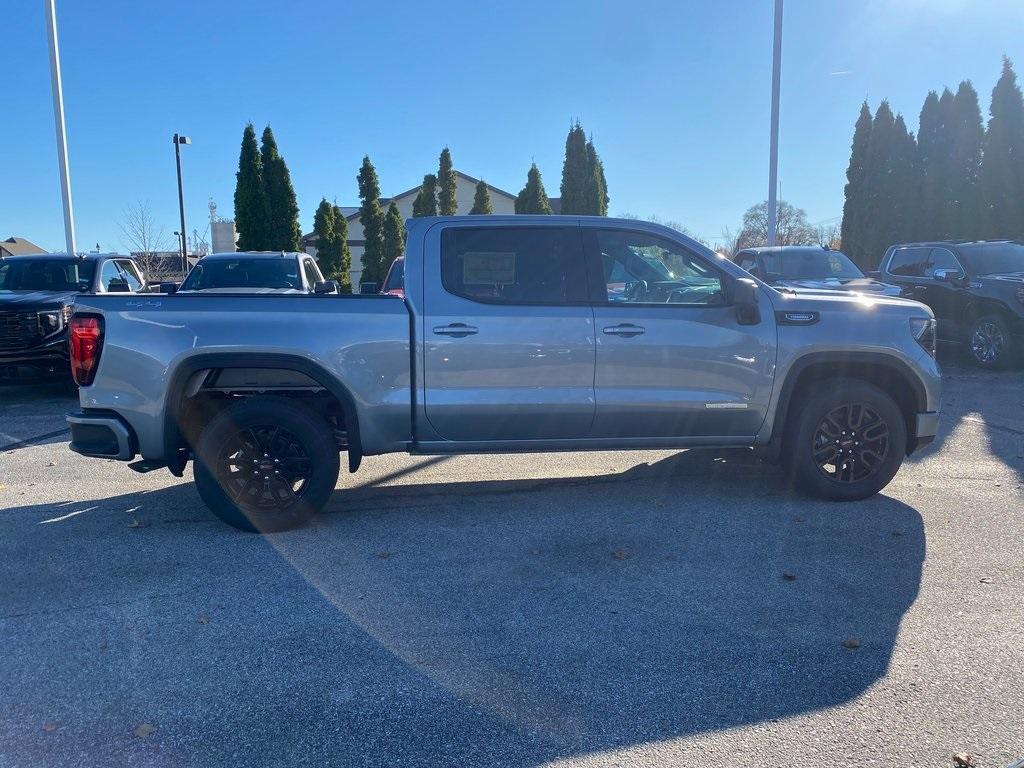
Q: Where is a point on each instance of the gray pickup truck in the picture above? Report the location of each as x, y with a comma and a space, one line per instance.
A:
516, 333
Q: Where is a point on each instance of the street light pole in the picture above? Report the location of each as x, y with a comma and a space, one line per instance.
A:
178, 141
773, 167
62, 137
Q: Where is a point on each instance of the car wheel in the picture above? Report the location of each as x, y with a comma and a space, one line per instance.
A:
989, 342
847, 441
266, 464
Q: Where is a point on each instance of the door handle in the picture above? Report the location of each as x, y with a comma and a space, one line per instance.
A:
624, 329
456, 330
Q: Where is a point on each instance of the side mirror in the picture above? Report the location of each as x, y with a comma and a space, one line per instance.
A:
744, 297
874, 274
326, 286
118, 286
947, 275
169, 288
365, 288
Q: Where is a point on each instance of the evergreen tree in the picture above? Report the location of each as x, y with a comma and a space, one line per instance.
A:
1002, 169
425, 203
852, 233
371, 216
963, 210
877, 190
943, 165
904, 183
446, 203
533, 198
394, 238
252, 215
930, 158
481, 199
576, 172
597, 187
344, 260
285, 233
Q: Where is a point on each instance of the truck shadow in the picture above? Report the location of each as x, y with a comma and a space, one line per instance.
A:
486, 622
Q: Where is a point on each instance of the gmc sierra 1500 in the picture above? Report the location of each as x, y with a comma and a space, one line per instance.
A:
516, 333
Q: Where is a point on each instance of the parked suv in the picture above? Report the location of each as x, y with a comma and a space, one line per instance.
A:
811, 267
976, 290
513, 336
36, 295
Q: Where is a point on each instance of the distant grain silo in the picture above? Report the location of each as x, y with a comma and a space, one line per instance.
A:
223, 237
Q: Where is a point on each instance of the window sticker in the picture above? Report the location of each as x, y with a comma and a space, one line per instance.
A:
488, 268
835, 264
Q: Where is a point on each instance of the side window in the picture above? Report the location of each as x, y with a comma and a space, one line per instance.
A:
131, 274
312, 273
109, 274
942, 258
908, 262
748, 262
514, 265
647, 269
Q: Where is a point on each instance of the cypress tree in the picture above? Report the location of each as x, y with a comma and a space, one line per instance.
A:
252, 215
930, 154
447, 204
904, 181
1002, 169
851, 231
576, 172
371, 216
425, 203
964, 204
943, 165
533, 198
285, 233
877, 208
481, 200
344, 259
394, 238
597, 187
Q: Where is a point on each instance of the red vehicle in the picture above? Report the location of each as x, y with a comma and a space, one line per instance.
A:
394, 283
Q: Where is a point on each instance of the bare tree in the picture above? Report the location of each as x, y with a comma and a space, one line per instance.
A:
727, 244
793, 227
670, 223
144, 239
829, 236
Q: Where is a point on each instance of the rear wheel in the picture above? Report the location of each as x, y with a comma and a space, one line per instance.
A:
847, 441
989, 342
266, 464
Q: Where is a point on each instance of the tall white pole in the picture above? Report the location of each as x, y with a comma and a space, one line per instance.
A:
773, 168
58, 119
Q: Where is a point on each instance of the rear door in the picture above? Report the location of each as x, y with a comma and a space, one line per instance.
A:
508, 333
672, 360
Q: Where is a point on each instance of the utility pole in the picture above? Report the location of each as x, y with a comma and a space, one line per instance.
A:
773, 167
58, 120
178, 141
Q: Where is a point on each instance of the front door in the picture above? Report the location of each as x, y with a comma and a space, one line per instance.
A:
508, 334
672, 360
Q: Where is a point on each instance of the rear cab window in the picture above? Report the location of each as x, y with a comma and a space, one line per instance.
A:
514, 265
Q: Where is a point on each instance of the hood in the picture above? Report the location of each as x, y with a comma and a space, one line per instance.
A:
858, 285
1006, 277
26, 301
826, 301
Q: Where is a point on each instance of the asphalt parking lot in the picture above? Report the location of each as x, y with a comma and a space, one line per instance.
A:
650, 608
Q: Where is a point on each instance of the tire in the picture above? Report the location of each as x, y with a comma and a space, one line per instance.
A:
848, 417
990, 344
266, 464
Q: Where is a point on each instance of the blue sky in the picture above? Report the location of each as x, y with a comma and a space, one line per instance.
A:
675, 94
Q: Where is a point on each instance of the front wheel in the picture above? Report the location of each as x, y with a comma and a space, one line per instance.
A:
266, 464
989, 342
847, 441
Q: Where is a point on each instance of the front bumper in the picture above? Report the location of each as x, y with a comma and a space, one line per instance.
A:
101, 434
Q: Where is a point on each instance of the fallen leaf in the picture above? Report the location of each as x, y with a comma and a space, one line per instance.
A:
986, 579
852, 643
144, 729
383, 555
49, 726
964, 760
789, 576
621, 554
52, 464
135, 523
203, 619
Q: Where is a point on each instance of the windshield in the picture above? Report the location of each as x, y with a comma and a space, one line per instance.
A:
810, 265
57, 275
243, 273
994, 258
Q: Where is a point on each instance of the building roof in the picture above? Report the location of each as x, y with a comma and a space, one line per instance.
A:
16, 246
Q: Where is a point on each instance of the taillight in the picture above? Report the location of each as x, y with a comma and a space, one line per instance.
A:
85, 335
